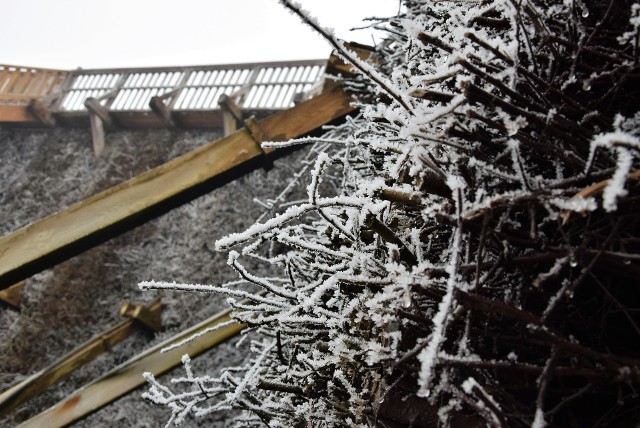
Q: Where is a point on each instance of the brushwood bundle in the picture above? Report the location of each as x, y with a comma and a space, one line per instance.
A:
469, 251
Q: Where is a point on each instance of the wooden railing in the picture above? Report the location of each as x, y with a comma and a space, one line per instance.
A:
270, 86
189, 97
19, 85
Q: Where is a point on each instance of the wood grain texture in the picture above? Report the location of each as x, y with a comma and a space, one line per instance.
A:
16, 114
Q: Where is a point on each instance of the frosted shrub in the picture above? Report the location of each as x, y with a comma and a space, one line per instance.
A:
468, 252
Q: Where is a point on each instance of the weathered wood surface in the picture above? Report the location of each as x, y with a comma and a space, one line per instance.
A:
24, 251
19, 86
128, 376
64, 366
16, 113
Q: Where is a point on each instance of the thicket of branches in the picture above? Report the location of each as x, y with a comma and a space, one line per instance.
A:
468, 253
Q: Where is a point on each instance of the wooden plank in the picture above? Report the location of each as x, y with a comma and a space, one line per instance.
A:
25, 251
128, 376
64, 366
10, 82
16, 114
304, 117
23, 82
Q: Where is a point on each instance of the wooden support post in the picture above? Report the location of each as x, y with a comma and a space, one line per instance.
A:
99, 116
94, 107
158, 106
38, 109
231, 114
97, 134
12, 296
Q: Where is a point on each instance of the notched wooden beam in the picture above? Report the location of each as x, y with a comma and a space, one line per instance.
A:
12, 296
147, 316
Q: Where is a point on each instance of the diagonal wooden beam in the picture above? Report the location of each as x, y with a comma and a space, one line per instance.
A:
128, 376
64, 366
44, 243
12, 296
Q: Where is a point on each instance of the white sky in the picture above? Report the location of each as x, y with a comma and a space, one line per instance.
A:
67, 34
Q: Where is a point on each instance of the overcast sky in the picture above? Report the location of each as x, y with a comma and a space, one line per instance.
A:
67, 34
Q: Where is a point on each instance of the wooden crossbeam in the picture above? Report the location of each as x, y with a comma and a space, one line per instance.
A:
128, 376
43, 243
64, 366
16, 114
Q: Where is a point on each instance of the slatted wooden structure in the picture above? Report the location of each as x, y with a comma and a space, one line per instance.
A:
184, 96
43, 243
19, 85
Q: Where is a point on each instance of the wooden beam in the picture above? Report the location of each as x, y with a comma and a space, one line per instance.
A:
231, 114
228, 103
30, 249
337, 66
16, 114
12, 296
97, 134
147, 316
94, 106
128, 376
99, 116
64, 366
163, 111
304, 117
42, 112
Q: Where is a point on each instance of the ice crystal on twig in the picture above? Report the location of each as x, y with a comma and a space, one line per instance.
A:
468, 249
